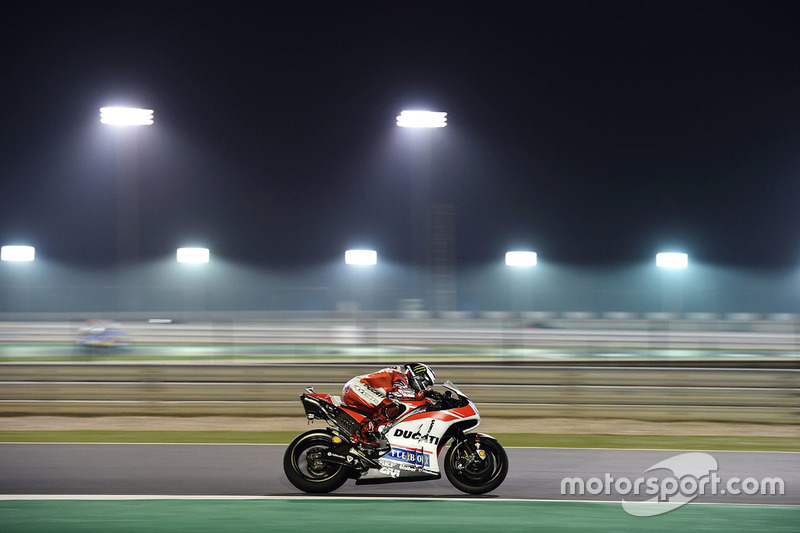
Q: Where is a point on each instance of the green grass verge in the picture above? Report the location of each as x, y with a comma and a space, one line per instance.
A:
342, 515
546, 440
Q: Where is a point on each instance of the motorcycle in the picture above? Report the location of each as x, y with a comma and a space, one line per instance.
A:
322, 460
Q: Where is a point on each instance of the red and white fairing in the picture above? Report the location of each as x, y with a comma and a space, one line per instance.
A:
416, 439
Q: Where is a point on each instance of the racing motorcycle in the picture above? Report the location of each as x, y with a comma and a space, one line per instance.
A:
322, 460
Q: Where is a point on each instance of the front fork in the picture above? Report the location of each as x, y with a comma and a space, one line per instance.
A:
472, 446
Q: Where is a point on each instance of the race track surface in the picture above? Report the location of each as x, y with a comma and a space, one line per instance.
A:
256, 470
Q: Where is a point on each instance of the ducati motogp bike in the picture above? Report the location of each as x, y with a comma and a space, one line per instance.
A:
408, 447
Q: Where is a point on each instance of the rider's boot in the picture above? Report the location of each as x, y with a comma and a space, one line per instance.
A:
369, 438
368, 434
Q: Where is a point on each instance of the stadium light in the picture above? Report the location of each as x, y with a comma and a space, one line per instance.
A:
193, 255
361, 257
521, 259
126, 116
17, 253
422, 119
672, 260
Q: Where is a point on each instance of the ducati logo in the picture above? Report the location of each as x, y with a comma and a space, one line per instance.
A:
406, 434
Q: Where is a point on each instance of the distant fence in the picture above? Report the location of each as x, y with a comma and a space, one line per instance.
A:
738, 332
635, 392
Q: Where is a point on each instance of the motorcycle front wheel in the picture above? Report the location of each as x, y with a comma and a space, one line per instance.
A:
304, 467
479, 472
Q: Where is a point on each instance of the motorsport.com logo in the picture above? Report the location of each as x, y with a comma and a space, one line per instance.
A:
693, 474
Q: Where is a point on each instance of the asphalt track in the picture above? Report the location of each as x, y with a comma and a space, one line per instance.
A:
256, 470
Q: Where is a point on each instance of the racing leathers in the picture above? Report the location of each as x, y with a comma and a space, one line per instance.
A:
375, 394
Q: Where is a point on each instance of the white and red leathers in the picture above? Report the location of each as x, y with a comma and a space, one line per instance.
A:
373, 393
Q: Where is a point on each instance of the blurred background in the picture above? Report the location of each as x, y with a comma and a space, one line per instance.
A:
205, 217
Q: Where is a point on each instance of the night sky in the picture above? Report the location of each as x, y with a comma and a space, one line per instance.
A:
595, 133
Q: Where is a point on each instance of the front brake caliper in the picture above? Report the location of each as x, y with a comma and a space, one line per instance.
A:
478, 452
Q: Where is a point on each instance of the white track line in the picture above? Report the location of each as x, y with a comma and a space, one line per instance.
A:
140, 497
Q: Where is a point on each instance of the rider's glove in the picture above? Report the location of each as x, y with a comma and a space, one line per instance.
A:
393, 410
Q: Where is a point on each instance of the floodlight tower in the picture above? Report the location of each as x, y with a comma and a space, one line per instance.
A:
20, 254
17, 254
521, 259
193, 255
422, 119
363, 261
672, 289
361, 257
520, 264
123, 120
672, 260
126, 116
427, 249
194, 276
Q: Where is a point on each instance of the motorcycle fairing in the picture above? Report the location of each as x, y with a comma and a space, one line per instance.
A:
415, 438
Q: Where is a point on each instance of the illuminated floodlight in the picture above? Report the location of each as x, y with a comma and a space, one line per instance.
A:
422, 119
361, 257
126, 116
672, 260
17, 253
521, 259
193, 255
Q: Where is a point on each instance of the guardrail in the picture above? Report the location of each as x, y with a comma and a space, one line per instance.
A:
634, 392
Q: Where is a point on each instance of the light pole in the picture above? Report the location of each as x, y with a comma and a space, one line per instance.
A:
19, 254
360, 259
125, 118
421, 212
672, 262
522, 261
194, 257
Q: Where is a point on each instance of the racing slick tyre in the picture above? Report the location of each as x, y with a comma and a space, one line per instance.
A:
476, 473
304, 467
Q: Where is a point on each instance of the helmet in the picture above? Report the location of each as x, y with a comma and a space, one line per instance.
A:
420, 376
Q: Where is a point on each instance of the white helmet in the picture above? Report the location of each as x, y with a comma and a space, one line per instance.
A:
420, 376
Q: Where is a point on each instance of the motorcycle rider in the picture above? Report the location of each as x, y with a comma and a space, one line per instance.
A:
378, 393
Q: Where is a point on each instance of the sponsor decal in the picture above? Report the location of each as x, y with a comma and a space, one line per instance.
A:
391, 472
409, 456
337, 456
419, 369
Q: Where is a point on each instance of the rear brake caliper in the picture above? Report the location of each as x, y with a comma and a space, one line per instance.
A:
314, 460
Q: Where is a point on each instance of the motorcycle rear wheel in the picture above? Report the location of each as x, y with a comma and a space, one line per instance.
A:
477, 473
303, 465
